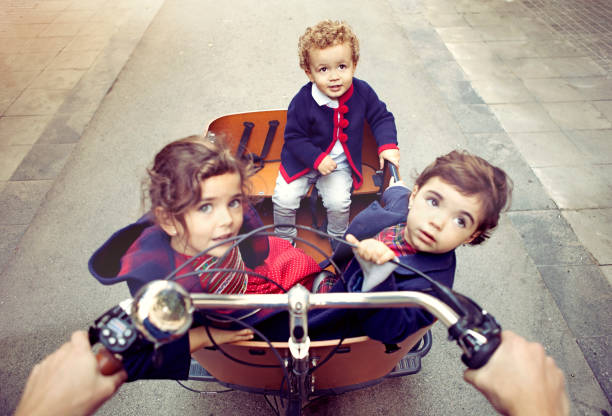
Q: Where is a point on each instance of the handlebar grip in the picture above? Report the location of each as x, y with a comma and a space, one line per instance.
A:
481, 354
108, 363
394, 172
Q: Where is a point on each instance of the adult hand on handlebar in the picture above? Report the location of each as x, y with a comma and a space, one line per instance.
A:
520, 379
68, 382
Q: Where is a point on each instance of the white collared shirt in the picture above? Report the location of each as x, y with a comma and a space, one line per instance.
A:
337, 152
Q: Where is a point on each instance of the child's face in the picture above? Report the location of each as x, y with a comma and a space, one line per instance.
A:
332, 69
441, 218
217, 216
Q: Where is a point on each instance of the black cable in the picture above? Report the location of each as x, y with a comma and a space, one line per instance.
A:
202, 391
275, 410
256, 331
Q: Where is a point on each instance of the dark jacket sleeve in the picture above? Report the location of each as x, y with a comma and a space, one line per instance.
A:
255, 249
171, 361
298, 140
380, 119
393, 325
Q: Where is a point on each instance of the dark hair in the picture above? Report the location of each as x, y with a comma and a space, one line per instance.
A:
323, 35
179, 168
472, 175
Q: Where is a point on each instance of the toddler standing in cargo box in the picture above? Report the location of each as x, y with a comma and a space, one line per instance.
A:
324, 130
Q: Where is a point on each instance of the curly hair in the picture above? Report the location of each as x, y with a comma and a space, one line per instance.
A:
472, 175
174, 179
323, 35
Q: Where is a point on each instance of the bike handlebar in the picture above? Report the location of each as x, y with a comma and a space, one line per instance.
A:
476, 332
353, 300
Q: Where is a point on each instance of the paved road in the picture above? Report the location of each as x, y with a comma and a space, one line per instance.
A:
495, 78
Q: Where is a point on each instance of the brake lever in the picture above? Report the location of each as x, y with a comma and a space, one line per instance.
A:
477, 333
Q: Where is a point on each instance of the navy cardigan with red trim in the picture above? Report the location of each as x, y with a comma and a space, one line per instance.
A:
312, 130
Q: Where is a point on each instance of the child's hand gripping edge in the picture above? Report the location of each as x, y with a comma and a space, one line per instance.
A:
373, 257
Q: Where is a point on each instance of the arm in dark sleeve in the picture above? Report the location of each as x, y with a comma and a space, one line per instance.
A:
255, 249
174, 360
297, 137
381, 121
393, 325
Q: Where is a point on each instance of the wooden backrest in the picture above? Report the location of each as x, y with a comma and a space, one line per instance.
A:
231, 127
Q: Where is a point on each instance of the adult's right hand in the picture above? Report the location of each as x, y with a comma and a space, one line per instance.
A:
521, 379
68, 382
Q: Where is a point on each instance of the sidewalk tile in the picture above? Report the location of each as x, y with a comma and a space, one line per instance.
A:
8, 97
501, 32
61, 79
536, 149
532, 68
459, 34
74, 16
484, 69
19, 201
61, 29
499, 149
48, 44
502, 90
596, 145
593, 88
459, 92
535, 29
552, 89
21, 130
87, 43
577, 116
445, 71
475, 118
10, 158
98, 29
488, 19
37, 17
524, 117
439, 20
13, 45
53, 5
93, 5
34, 102
594, 229
30, 61
506, 50
16, 79
556, 48
66, 128
576, 187
575, 67
596, 350
605, 107
30, 30
44, 161
470, 50
74, 60
574, 287
556, 244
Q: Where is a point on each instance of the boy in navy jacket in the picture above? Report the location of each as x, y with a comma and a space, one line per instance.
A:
456, 200
324, 130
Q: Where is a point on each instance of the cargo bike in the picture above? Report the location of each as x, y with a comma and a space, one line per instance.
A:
298, 370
